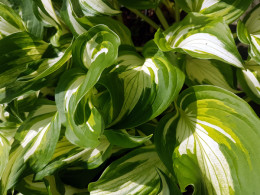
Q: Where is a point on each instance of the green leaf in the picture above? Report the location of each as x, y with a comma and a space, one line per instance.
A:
248, 32
28, 186
97, 7
118, 27
4, 153
215, 135
123, 139
33, 25
69, 16
140, 88
168, 186
94, 50
45, 67
212, 72
230, 10
35, 142
249, 80
67, 154
135, 173
10, 22
48, 15
16, 51
140, 4
201, 37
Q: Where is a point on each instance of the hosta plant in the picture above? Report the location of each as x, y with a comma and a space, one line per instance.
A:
129, 97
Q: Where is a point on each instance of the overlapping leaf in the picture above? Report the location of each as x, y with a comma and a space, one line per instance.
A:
248, 32
140, 88
35, 143
249, 79
97, 7
94, 51
79, 24
201, 37
213, 72
10, 22
229, 10
216, 137
135, 173
67, 154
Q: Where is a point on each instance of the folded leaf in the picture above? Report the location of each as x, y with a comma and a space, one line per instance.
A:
216, 136
94, 51
230, 10
201, 37
97, 7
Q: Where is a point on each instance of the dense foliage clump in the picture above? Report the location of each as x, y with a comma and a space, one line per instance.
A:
129, 97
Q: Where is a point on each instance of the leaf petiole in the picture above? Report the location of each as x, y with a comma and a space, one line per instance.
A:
145, 18
161, 17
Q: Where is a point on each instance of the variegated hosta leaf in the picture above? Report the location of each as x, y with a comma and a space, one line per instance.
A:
94, 50
16, 51
168, 186
229, 10
79, 25
213, 72
32, 23
10, 22
28, 186
97, 7
201, 37
140, 88
35, 143
249, 79
248, 32
118, 27
45, 67
4, 153
46, 12
67, 154
140, 4
216, 135
135, 173
69, 16
97, 48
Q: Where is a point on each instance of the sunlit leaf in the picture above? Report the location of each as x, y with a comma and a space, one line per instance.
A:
229, 10
135, 173
213, 142
201, 37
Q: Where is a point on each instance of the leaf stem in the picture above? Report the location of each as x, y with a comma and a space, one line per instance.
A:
161, 17
117, 7
247, 99
177, 12
139, 49
145, 18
